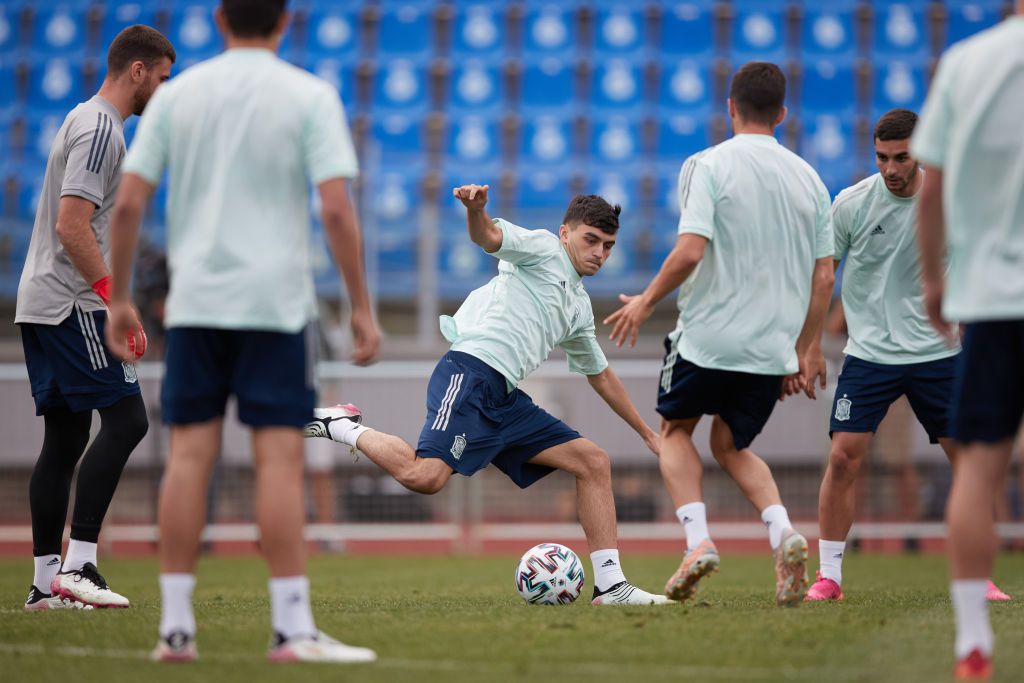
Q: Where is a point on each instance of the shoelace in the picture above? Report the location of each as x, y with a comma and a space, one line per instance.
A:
90, 572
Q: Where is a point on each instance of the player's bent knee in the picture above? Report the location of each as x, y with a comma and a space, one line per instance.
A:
595, 462
844, 464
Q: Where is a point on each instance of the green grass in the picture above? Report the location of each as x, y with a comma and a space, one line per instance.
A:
459, 619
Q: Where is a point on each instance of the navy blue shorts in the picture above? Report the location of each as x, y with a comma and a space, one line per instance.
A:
866, 390
743, 400
70, 367
271, 374
473, 421
988, 394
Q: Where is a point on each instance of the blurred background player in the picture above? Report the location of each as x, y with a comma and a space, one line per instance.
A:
755, 219
503, 331
240, 312
970, 143
892, 350
61, 309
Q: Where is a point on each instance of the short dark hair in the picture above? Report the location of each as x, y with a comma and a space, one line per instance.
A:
896, 124
593, 210
138, 43
252, 18
758, 91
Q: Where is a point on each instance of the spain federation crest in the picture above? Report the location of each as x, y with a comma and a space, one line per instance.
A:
458, 446
130, 376
843, 409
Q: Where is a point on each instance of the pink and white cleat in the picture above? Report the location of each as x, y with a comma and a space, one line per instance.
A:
824, 589
994, 594
87, 586
323, 417
318, 648
791, 569
697, 564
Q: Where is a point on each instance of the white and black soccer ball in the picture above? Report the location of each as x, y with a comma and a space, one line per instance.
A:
549, 574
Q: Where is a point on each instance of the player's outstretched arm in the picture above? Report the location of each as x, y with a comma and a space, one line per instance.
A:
610, 388
125, 337
678, 265
481, 229
931, 241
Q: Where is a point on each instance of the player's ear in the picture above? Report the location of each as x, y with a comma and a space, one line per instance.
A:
563, 232
221, 21
283, 22
782, 115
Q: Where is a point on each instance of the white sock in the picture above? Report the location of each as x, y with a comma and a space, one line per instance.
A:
973, 630
346, 431
607, 570
290, 613
694, 518
176, 604
830, 559
777, 519
79, 552
47, 567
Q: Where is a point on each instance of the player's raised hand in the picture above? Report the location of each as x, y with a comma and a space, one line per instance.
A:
365, 338
472, 196
628, 319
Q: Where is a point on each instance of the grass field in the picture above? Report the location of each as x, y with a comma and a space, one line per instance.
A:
450, 619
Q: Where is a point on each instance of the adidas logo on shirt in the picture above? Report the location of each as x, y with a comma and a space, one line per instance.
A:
879, 230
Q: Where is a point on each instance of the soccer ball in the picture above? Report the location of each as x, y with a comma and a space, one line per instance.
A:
549, 574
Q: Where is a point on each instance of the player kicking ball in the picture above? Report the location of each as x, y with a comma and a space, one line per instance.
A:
892, 350
477, 415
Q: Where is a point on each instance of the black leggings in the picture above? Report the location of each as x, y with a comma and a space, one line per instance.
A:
122, 427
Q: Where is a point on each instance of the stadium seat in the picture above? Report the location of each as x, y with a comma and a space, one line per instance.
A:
828, 30
406, 29
548, 84
339, 73
475, 85
41, 129
119, 16
56, 83
687, 28
455, 173
829, 145
30, 183
616, 186
967, 17
332, 30
473, 140
480, 31
684, 85
897, 84
193, 33
547, 140
463, 265
400, 84
60, 29
617, 84
682, 134
545, 188
8, 86
619, 28
827, 86
758, 31
900, 29
9, 35
397, 137
615, 141
549, 28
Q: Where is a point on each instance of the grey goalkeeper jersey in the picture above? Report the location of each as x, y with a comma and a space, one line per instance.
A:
85, 161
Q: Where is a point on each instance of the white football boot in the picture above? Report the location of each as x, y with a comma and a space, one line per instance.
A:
88, 587
318, 648
322, 417
625, 593
38, 601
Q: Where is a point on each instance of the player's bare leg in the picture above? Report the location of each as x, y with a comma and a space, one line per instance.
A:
279, 499
595, 503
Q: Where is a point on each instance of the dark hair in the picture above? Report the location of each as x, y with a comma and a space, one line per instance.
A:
252, 18
593, 210
758, 90
896, 124
138, 43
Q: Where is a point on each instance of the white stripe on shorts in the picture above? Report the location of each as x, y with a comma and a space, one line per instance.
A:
101, 349
88, 340
446, 404
448, 413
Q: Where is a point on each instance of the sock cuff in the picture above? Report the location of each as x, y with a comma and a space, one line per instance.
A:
289, 582
831, 545
969, 587
773, 510
604, 554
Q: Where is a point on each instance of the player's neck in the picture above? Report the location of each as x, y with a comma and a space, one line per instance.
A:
271, 43
121, 97
743, 128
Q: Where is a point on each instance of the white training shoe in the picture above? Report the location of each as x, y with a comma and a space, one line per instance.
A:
318, 648
179, 647
322, 417
88, 587
38, 601
625, 593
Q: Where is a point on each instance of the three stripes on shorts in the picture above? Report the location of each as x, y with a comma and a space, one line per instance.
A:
445, 411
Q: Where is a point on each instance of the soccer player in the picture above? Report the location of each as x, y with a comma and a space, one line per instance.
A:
61, 310
892, 350
477, 415
970, 143
755, 219
242, 137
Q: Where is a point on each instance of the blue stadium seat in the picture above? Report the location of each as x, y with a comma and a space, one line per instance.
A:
396, 195
119, 16
687, 28
828, 31
619, 28
480, 31
400, 84
759, 31
8, 86
967, 17
339, 73
463, 265
473, 140
406, 29
900, 29
547, 140
543, 187
616, 186
56, 83
30, 185
828, 86
476, 85
617, 84
616, 141
193, 33
41, 129
682, 134
828, 143
332, 29
398, 136
59, 29
548, 84
684, 85
550, 28
897, 84
9, 36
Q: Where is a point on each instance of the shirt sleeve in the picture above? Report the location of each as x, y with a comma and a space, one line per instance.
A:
584, 353
824, 234
696, 199
327, 148
92, 156
932, 132
524, 247
841, 222
148, 154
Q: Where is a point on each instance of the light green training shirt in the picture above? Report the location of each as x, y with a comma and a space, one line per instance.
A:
877, 233
535, 303
242, 135
766, 215
971, 129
